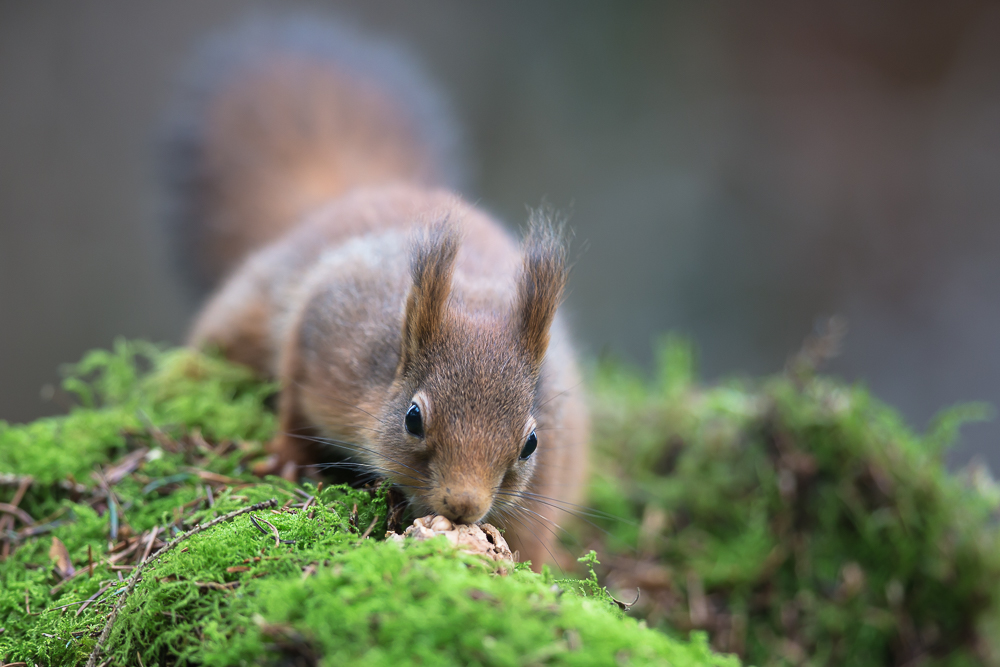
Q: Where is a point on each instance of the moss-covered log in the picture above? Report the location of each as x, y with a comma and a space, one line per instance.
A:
163, 442
795, 519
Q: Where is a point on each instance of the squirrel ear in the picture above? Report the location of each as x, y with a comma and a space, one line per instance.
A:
541, 284
431, 264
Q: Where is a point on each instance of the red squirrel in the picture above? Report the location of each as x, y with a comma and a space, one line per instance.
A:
408, 330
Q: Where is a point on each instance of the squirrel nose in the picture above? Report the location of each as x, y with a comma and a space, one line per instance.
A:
464, 505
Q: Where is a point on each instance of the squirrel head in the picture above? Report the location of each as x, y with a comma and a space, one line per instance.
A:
460, 424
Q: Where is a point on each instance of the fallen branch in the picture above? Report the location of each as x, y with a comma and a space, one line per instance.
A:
136, 574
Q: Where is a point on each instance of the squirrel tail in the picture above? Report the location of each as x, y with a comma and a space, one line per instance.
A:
279, 116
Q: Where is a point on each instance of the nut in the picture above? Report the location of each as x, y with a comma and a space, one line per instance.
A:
475, 538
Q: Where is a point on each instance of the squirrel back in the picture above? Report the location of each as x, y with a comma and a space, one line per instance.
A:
278, 116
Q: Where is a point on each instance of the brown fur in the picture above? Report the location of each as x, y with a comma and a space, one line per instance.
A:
392, 294
347, 133
540, 286
431, 266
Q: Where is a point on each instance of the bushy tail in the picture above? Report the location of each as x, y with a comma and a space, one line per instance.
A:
279, 116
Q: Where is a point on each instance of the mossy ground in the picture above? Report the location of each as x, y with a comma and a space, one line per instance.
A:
796, 519
792, 520
162, 442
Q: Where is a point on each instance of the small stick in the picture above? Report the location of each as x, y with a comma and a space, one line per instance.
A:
199, 440
212, 476
121, 545
60, 607
220, 449
15, 501
93, 597
134, 579
114, 503
253, 520
149, 545
22, 516
274, 531
121, 555
32, 531
70, 604
193, 503
216, 585
371, 527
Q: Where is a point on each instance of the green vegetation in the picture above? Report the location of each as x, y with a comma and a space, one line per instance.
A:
792, 521
795, 519
162, 442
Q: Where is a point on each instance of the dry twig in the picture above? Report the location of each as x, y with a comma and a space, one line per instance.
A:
22, 488
371, 526
274, 531
21, 515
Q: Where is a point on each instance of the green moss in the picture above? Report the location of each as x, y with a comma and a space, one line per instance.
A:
161, 443
182, 391
796, 519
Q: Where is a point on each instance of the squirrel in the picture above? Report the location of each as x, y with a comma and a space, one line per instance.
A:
313, 173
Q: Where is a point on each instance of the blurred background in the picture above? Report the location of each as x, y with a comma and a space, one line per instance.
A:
733, 172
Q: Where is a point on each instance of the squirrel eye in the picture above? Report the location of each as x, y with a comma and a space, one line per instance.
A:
529, 447
413, 422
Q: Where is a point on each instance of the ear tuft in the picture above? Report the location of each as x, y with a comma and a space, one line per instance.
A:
432, 263
542, 282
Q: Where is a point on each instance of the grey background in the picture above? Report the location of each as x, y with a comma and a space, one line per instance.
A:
733, 170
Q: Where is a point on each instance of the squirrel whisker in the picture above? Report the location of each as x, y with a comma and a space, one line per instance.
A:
356, 447
521, 521
580, 509
561, 393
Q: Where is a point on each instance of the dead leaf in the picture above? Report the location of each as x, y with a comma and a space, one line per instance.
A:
64, 566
